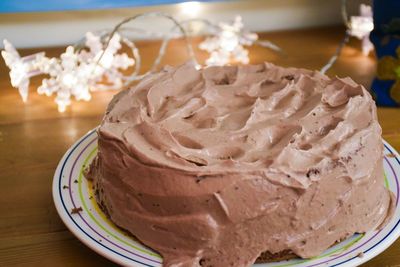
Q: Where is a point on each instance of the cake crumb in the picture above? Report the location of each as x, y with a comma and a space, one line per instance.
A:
288, 77
390, 155
75, 181
360, 255
311, 172
76, 210
65, 187
202, 262
346, 159
200, 178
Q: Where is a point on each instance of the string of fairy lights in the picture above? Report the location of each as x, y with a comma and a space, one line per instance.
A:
356, 26
98, 61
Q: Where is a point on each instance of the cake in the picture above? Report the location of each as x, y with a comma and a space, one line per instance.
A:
224, 166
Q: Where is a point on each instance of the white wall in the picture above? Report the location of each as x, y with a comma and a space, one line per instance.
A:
62, 28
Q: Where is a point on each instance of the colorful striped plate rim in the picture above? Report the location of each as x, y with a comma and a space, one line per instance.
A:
94, 229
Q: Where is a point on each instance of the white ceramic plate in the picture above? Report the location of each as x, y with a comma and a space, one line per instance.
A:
71, 190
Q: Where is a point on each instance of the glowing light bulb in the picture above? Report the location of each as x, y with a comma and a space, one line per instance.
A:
361, 26
69, 80
228, 44
190, 9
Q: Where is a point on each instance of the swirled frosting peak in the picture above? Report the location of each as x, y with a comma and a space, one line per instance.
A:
212, 167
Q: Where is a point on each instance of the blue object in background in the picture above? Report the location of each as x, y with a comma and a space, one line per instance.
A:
14, 6
386, 39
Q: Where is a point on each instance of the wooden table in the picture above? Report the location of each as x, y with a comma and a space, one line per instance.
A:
34, 136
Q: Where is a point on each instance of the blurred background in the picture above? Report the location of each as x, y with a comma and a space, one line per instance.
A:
53, 23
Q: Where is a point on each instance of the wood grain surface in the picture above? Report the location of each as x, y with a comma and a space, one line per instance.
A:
34, 136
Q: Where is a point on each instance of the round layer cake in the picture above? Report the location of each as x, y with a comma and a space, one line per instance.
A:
217, 166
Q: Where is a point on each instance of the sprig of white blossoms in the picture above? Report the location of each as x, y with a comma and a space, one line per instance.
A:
228, 43
75, 74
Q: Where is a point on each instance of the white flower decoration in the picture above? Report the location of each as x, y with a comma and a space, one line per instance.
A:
228, 44
361, 27
74, 74
21, 68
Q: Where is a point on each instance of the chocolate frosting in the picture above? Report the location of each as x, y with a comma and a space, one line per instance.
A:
214, 166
